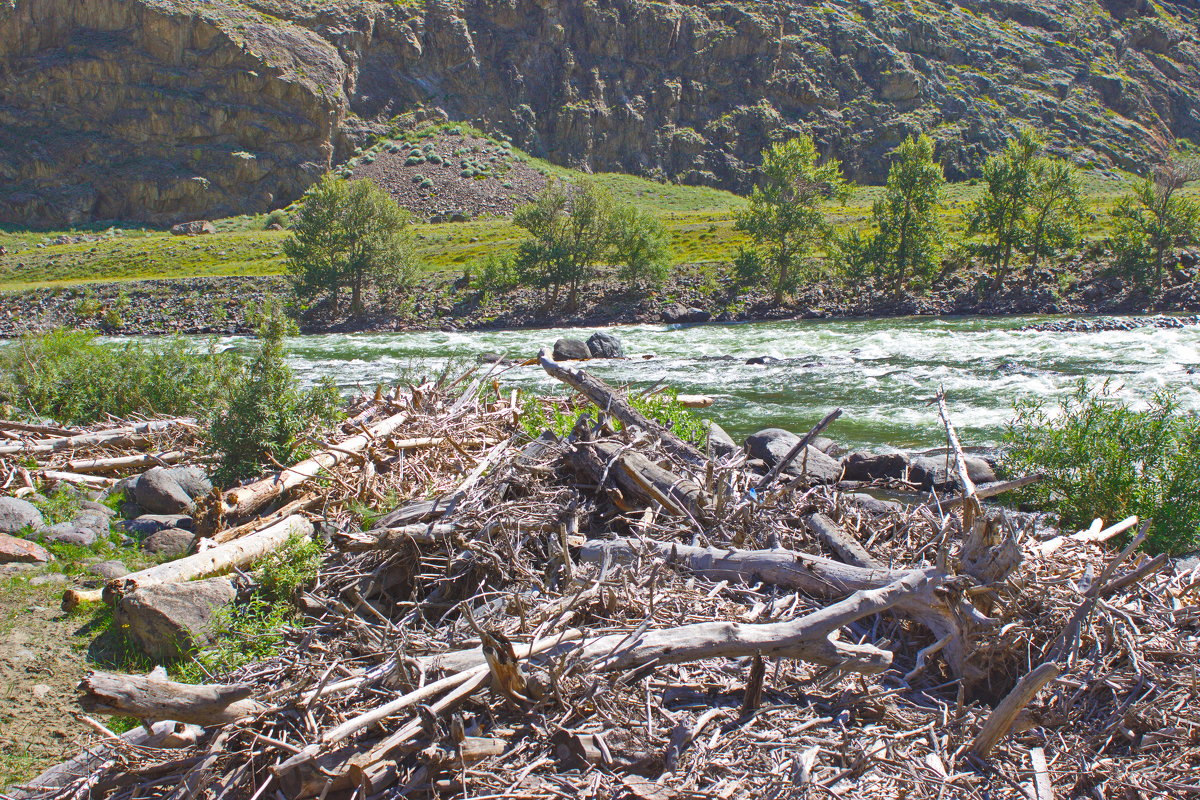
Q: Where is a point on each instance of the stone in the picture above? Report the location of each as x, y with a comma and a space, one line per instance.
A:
773, 444
859, 466
168, 621
22, 551
17, 515
99, 508
148, 524
69, 533
170, 542
489, 357
193, 480
571, 350
761, 360
159, 493
109, 570
48, 577
721, 443
875, 505
827, 446
939, 472
602, 344
195, 228
679, 314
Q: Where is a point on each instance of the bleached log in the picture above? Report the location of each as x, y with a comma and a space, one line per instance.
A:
128, 436
694, 400
215, 561
243, 500
1000, 721
95, 481
153, 698
842, 544
813, 575
124, 462
73, 598
640, 477
28, 427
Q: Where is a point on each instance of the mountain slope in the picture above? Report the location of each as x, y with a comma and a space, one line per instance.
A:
161, 110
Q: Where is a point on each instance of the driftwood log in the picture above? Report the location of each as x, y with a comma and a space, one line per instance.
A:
215, 561
127, 436
155, 698
637, 476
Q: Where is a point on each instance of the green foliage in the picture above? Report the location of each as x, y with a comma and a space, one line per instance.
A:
282, 572
61, 505
784, 217
1033, 203
268, 419
748, 267
349, 234
665, 408
1154, 218
570, 230
539, 415
277, 217
640, 246
1104, 458
70, 377
241, 635
495, 274
910, 235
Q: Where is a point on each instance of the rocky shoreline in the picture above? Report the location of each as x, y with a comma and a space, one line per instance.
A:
695, 294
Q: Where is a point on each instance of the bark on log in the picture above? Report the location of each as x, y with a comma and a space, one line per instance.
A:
610, 400
1000, 721
815, 575
220, 559
843, 545
640, 477
123, 437
244, 500
150, 698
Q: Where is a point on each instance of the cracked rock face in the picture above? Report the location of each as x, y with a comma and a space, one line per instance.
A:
168, 111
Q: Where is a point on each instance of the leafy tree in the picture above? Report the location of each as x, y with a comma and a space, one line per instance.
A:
911, 235
784, 216
1002, 213
1055, 208
1154, 218
348, 234
268, 419
574, 229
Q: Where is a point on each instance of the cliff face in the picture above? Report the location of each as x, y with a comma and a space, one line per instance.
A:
165, 109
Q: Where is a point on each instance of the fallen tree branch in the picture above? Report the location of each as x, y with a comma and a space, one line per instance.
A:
154, 698
128, 436
1000, 721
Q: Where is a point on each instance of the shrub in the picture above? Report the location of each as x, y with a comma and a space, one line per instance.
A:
1104, 458
283, 571
495, 273
748, 267
276, 217
268, 419
1155, 217
72, 378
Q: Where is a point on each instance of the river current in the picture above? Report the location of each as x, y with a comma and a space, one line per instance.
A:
880, 372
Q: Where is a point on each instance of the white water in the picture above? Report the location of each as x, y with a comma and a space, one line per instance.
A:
880, 372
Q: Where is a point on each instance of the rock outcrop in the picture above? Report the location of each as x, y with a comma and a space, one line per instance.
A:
168, 110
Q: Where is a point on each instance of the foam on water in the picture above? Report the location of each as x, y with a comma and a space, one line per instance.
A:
880, 372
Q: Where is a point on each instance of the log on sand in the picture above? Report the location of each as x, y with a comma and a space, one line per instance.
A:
150, 697
220, 559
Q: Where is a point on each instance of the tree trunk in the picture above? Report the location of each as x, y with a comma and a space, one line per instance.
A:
152, 698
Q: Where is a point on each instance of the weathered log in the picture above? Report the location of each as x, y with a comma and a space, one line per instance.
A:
935, 609
611, 401
128, 436
215, 561
71, 477
393, 538
1000, 721
243, 500
73, 598
640, 477
154, 698
843, 545
90, 465
28, 427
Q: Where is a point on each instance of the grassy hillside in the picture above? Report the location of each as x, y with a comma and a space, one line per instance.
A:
700, 220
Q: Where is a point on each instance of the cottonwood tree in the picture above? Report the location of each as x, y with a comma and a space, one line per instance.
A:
1056, 208
1154, 218
348, 234
910, 236
784, 217
575, 229
1001, 213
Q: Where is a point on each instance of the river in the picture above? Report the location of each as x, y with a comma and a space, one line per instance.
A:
880, 372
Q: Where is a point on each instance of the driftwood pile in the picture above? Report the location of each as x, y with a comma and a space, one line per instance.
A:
618, 614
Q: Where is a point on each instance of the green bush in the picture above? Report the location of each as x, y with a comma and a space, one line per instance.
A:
283, 571
70, 377
268, 419
1104, 458
495, 273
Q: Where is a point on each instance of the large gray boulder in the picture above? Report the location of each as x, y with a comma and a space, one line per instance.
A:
859, 466
169, 542
69, 533
679, 314
773, 444
571, 350
158, 492
720, 442
939, 472
192, 480
602, 344
17, 515
170, 620
148, 524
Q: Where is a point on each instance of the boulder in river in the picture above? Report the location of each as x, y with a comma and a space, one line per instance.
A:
859, 466
602, 344
938, 472
720, 442
679, 314
773, 444
571, 350
17, 515
168, 621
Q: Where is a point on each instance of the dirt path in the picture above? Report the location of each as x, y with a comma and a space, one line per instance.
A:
43, 654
